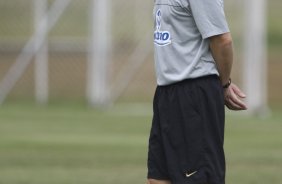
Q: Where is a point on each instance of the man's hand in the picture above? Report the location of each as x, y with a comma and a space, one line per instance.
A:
233, 96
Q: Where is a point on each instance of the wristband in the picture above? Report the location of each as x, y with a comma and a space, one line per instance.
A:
225, 86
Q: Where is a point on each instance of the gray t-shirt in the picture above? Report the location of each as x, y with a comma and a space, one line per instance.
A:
180, 38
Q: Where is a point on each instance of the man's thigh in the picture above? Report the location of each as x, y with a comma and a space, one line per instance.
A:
153, 181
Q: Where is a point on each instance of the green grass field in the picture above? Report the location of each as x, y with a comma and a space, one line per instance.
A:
68, 144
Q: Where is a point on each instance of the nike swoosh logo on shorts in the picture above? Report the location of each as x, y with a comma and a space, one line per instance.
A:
190, 174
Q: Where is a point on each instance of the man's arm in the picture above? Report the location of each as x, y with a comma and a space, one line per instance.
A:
222, 50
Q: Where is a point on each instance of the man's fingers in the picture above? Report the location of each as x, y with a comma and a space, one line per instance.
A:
235, 100
232, 106
237, 91
232, 98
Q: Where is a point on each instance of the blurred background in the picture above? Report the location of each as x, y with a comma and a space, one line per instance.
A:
67, 118
130, 24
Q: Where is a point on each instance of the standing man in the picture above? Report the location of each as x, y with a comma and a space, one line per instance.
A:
193, 60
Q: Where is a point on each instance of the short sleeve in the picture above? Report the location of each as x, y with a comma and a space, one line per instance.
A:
209, 17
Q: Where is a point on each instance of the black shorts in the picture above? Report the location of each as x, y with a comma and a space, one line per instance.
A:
186, 140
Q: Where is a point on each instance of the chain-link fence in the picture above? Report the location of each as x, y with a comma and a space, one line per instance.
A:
131, 23
68, 45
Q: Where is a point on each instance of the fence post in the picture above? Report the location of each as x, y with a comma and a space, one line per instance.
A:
41, 56
255, 56
99, 54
